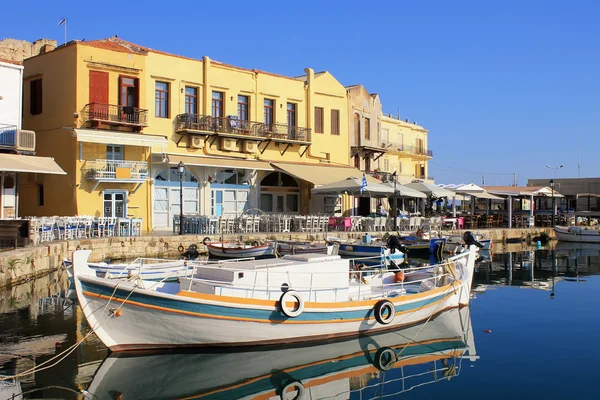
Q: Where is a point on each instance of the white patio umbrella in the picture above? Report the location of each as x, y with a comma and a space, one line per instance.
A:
352, 187
404, 191
430, 189
476, 191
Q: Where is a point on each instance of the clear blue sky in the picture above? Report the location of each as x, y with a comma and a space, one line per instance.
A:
503, 86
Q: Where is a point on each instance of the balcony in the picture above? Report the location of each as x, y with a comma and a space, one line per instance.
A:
8, 136
387, 176
416, 150
18, 140
110, 114
116, 171
231, 126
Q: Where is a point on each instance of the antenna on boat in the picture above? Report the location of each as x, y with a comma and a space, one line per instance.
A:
578, 166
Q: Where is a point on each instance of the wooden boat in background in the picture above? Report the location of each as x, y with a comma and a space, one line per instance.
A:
580, 234
294, 299
239, 250
387, 364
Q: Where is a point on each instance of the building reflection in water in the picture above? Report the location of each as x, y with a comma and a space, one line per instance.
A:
537, 268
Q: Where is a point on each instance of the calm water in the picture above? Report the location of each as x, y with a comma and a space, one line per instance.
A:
531, 331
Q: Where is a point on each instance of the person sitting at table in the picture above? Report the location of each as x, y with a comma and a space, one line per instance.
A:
381, 211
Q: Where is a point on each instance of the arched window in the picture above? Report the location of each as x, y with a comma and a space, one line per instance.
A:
356, 129
279, 179
278, 200
172, 175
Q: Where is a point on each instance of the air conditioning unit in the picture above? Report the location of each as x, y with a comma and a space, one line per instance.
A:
228, 144
195, 142
250, 146
25, 140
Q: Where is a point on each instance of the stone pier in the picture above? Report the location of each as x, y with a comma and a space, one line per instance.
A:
26, 263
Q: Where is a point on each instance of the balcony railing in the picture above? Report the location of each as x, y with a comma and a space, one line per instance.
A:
114, 114
416, 150
388, 176
233, 125
8, 135
116, 170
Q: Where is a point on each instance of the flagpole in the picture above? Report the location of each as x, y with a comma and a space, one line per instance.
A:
65, 31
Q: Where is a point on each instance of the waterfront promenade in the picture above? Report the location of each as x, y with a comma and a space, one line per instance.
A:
26, 263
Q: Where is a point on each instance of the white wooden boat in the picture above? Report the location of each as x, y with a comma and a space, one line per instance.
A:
392, 362
148, 269
293, 299
284, 248
239, 250
581, 234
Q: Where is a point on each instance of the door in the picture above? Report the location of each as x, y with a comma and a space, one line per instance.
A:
98, 95
128, 98
115, 204
161, 206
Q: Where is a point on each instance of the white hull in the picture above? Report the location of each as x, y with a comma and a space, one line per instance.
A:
223, 250
579, 234
189, 319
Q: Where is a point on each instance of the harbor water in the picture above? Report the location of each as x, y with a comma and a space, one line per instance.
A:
531, 331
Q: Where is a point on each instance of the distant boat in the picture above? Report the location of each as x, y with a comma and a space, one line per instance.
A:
581, 234
386, 364
455, 242
239, 250
288, 247
294, 299
145, 268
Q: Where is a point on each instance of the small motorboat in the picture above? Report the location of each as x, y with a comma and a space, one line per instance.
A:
240, 250
579, 234
147, 269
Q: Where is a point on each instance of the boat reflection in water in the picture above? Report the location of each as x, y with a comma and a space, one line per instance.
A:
371, 366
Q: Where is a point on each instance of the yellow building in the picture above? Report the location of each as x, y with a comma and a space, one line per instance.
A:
407, 151
119, 118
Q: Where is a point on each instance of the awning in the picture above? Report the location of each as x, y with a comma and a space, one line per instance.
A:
321, 174
124, 138
219, 162
21, 163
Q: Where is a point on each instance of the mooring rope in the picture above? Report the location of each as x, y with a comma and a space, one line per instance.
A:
62, 355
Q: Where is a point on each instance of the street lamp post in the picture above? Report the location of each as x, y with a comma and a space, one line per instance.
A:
395, 205
552, 187
181, 170
555, 169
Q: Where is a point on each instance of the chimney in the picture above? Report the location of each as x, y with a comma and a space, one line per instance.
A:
48, 47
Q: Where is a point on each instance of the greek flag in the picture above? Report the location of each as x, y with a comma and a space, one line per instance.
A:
363, 183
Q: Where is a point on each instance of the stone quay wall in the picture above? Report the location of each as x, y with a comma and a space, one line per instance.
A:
20, 265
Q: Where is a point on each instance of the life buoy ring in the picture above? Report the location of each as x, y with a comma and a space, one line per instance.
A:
293, 384
289, 296
384, 312
181, 248
206, 241
385, 358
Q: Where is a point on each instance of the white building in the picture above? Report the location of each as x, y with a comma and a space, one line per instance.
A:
17, 146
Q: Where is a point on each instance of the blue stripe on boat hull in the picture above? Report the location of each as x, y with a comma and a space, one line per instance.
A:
216, 311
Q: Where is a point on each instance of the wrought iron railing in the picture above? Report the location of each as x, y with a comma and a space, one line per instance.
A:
114, 114
8, 135
416, 150
388, 176
116, 169
232, 124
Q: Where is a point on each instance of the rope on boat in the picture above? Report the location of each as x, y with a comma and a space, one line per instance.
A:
64, 354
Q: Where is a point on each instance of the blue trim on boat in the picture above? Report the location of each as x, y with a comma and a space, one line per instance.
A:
246, 313
316, 370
